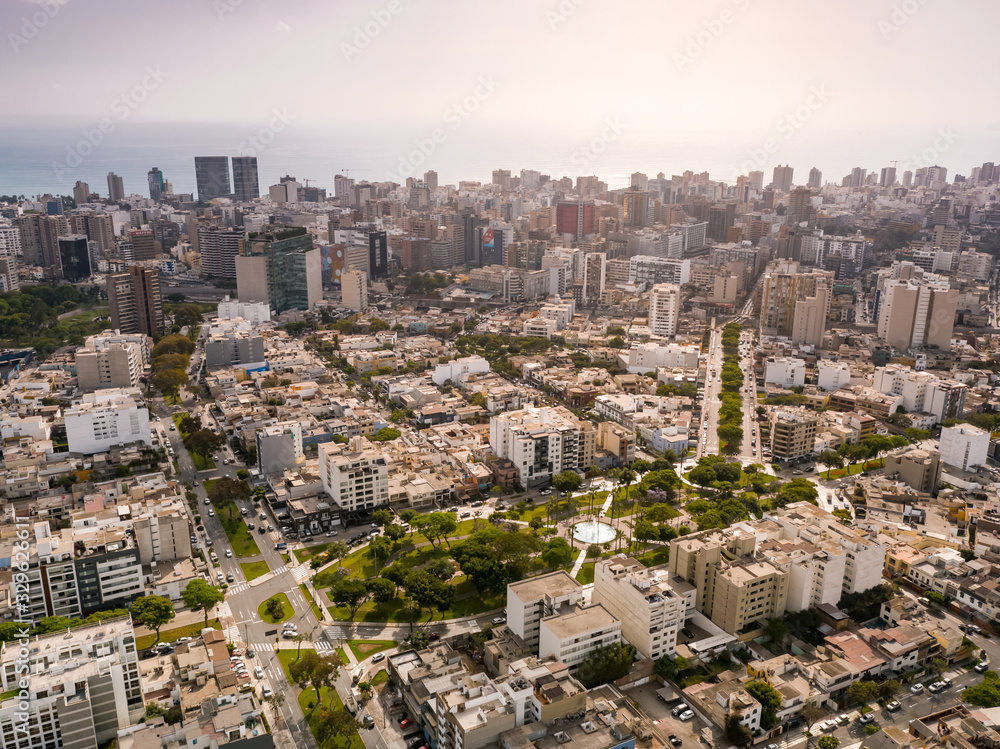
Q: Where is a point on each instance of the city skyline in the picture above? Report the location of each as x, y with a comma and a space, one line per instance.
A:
818, 103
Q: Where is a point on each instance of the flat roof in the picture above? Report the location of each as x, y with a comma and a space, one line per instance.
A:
576, 620
554, 584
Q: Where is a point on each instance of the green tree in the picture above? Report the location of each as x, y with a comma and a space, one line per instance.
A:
152, 612
170, 381
863, 692
736, 732
668, 667
606, 664
776, 630
828, 742
198, 595
275, 608
703, 475
381, 590
350, 592
986, 693
567, 481
557, 553
204, 442
387, 434
770, 702
382, 517
831, 459
435, 526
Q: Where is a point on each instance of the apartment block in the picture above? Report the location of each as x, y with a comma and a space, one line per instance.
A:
616, 440
664, 309
793, 433
922, 392
83, 689
531, 600
964, 446
918, 469
652, 604
916, 312
784, 372
105, 419
571, 634
279, 447
234, 348
102, 364
748, 591
543, 442
356, 477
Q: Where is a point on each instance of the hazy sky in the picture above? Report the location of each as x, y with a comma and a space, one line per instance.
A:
864, 68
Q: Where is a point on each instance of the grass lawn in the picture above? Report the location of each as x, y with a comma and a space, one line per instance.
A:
586, 574
200, 463
253, 570
364, 648
208, 484
392, 611
289, 611
655, 557
317, 611
837, 473
286, 559
239, 536
380, 678
328, 697
169, 635
343, 656
309, 552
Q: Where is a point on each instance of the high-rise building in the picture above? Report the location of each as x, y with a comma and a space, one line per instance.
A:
637, 208
74, 257
529, 601
576, 217
756, 180
799, 205
794, 304
355, 477
155, 179
84, 684
136, 301
543, 442
114, 365
888, 176
907, 179
912, 313
104, 420
964, 446
81, 193
281, 268
431, 179
245, 185
594, 277
987, 172
815, 179
143, 244
212, 177
720, 218
219, 249
378, 254
354, 290
857, 177
10, 279
664, 309
782, 178
116, 189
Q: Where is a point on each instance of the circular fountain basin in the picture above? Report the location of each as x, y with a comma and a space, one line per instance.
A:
593, 532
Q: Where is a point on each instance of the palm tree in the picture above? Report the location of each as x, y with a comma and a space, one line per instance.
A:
305, 636
411, 607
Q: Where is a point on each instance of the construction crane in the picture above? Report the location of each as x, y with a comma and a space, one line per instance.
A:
347, 172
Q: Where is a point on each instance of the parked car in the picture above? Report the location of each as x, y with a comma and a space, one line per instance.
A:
675, 741
208, 501
917, 688
267, 692
843, 719
378, 657
368, 721
893, 706
499, 619
679, 709
433, 636
981, 667
405, 723
686, 715
867, 718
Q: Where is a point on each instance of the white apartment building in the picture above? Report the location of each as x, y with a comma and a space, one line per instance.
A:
915, 312
81, 689
571, 634
256, 313
975, 265
355, 477
559, 310
785, 372
354, 290
664, 309
543, 442
651, 604
828, 540
651, 270
964, 446
105, 419
922, 392
531, 600
831, 376
646, 357
458, 370
540, 327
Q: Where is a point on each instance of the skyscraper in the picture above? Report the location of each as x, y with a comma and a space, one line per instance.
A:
81, 192
799, 205
720, 218
794, 304
378, 254
74, 257
431, 178
143, 244
888, 176
782, 178
578, 218
857, 177
987, 172
245, 178
815, 178
281, 268
136, 301
756, 180
155, 179
664, 308
219, 249
907, 179
212, 177
116, 190
354, 290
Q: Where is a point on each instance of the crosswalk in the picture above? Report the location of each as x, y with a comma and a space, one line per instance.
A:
268, 647
238, 588
300, 573
280, 570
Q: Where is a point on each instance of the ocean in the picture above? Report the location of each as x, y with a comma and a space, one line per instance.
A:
38, 160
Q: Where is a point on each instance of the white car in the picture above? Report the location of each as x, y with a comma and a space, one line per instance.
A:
229, 553
258, 672
267, 692
917, 688
686, 715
